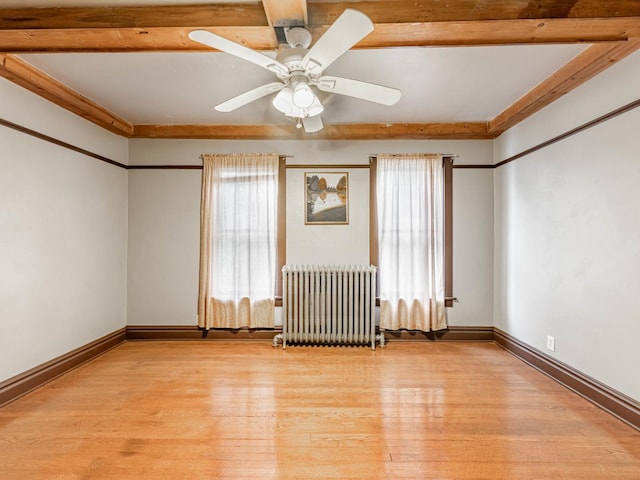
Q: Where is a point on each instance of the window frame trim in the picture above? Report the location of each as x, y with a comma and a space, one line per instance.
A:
281, 228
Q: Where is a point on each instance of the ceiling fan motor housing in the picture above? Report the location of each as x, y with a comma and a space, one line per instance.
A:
292, 59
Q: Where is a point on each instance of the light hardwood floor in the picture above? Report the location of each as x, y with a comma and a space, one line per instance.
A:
244, 410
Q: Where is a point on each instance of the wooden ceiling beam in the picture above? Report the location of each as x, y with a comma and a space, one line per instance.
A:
407, 11
397, 23
21, 73
320, 13
367, 131
503, 32
286, 13
127, 40
586, 65
158, 16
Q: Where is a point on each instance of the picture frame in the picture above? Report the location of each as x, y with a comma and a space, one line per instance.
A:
326, 198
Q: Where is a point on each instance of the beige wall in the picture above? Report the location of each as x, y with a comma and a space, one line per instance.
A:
328, 244
63, 234
164, 243
567, 231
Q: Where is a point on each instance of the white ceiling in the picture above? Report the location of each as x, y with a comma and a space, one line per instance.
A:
448, 84
438, 84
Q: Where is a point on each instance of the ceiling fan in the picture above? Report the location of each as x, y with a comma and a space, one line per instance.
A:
300, 70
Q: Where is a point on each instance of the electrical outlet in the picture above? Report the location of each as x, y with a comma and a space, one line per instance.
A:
551, 343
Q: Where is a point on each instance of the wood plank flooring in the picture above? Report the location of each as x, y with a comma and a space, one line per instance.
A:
244, 410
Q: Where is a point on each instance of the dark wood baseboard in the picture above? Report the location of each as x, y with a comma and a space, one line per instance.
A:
25, 382
451, 334
188, 332
192, 332
610, 400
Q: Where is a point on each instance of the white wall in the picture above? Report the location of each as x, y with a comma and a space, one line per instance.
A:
164, 221
567, 231
164, 246
615, 87
27, 109
472, 247
328, 244
63, 230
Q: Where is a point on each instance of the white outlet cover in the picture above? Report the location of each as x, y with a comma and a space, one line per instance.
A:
551, 343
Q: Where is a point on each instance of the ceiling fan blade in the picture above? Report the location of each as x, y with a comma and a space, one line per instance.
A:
312, 124
248, 97
350, 27
220, 43
356, 88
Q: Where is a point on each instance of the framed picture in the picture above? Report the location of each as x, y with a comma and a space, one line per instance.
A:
327, 198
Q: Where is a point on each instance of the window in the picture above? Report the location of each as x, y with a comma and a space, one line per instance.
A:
242, 246
243, 219
411, 239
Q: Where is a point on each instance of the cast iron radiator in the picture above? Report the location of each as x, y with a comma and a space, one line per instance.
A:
329, 305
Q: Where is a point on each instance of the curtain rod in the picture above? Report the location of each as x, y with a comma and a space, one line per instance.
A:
453, 155
202, 155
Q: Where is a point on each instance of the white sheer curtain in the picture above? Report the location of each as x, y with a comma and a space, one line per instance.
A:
238, 241
410, 206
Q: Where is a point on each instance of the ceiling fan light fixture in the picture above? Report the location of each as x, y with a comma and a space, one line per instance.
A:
303, 96
316, 108
283, 101
296, 112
